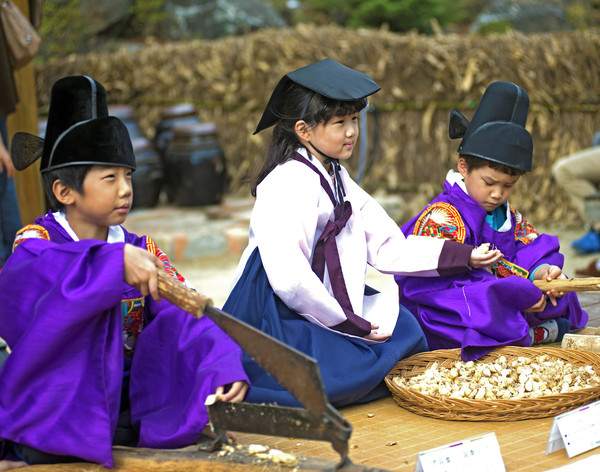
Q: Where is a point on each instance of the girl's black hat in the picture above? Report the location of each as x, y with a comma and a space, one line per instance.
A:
328, 78
79, 131
497, 131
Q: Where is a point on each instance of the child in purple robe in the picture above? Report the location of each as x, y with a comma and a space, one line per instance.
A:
483, 309
97, 358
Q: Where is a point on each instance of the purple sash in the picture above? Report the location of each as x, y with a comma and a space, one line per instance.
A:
326, 253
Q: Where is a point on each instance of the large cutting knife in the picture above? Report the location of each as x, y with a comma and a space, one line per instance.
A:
296, 372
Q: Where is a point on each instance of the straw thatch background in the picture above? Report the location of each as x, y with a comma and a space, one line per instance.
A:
422, 78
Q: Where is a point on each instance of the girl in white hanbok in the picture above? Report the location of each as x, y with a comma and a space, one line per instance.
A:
313, 231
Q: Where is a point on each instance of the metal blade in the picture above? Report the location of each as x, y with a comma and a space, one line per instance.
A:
280, 421
295, 371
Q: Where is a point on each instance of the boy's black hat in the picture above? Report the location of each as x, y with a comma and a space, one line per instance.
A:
79, 131
328, 78
497, 131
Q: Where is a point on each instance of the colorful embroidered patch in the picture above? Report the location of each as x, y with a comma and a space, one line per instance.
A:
441, 220
153, 248
524, 231
30, 232
133, 320
503, 268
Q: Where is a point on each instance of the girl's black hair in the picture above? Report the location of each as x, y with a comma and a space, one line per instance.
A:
300, 103
474, 162
71, 176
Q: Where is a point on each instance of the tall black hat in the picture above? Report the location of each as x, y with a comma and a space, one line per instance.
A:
79, 131
497, 131
328, 78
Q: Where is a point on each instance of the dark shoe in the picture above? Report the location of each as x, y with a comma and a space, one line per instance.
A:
564, 326
125, 435
588, 243
589, 271
34, 456
3, 352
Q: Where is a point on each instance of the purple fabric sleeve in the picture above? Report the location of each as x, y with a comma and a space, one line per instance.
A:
179, 361
353, 324
60, 388
60, 312
454, 258
542, 250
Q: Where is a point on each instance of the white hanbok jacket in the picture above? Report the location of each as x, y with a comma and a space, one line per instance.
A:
289, 215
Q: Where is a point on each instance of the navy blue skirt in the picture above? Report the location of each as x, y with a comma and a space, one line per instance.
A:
352, 371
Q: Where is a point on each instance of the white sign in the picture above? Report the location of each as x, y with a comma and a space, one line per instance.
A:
576, 431
481, 454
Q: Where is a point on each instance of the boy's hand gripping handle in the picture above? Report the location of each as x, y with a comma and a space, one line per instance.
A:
584, 284
298, 373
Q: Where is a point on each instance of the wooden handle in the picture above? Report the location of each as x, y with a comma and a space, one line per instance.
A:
584, 284
182, 296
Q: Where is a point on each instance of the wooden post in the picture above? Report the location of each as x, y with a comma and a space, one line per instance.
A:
32, 202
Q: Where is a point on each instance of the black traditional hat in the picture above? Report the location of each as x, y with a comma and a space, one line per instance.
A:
79, 131
328, 78
497, 131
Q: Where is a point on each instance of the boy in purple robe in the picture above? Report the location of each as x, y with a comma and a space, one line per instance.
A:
486, 308
97, 358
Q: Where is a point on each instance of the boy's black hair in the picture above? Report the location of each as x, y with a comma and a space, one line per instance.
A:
474, 162
319, 110
71, 176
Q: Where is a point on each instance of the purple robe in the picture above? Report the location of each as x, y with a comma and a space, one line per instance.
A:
61, 314
478, 311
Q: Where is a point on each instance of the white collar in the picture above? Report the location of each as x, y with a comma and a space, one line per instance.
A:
317, 163
454, 178
115, 233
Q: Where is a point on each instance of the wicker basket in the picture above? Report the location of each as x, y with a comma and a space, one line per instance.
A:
459, 409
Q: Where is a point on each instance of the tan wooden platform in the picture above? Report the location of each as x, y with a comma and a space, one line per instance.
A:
385, 437
388, 437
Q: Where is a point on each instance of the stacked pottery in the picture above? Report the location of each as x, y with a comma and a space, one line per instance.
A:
148, 178
196, 165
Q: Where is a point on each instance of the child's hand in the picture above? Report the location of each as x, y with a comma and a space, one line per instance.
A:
481, 260
140, 270
539, 306
550, 272
236, 392
376, 336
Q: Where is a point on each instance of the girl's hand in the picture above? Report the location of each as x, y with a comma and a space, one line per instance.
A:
376, 336
480, 260
550, 272
236, 392
140, 270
